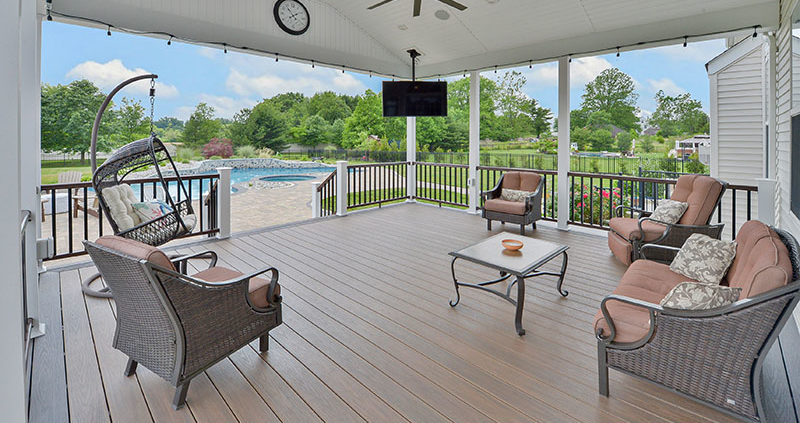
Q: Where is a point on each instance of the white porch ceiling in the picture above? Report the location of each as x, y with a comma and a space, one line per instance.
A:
489, 33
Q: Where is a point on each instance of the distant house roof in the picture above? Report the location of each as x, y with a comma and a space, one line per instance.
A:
653, 130
697, 139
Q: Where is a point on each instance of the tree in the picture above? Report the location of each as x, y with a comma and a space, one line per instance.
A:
613, 92
236, 130
366, 119
581, 136
131, 124
579, 118
317, 131
647, 144
68, 113
677, 115
201, 126
601, 140
265, 127
168, 122
458, 105
329, 106
624, 141
540, 117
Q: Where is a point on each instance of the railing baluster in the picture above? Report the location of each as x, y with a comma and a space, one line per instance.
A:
86, 212
69, 220
54, 234
733, 214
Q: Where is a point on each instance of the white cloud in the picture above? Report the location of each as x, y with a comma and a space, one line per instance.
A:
208, 52
224, 106
667, 85
270, 84
110, 74
582, 71
701, 52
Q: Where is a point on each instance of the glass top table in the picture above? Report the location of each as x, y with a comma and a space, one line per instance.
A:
521, 264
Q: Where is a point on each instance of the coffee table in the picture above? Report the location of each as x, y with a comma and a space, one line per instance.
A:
521, 264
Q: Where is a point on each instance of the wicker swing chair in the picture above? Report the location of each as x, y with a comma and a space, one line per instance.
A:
138, 156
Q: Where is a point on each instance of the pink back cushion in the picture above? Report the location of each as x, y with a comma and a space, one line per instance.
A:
762, 260
136, 249
523, 181
702, 193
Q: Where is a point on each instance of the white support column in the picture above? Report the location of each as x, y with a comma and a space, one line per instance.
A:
224, 203
341, 188
411, 157
563, 142
766, 200
316, 204
30, 153
474, 141
12, 114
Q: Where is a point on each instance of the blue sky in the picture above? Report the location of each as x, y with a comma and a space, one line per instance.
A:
190, 74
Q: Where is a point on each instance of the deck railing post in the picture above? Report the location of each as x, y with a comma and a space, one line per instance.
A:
341, 188
316, 200
473, 181
224, 202
563, 142
411, 158
766, 200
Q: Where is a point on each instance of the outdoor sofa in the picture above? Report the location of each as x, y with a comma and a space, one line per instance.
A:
178, 325
524, 212
628, 234
713, 355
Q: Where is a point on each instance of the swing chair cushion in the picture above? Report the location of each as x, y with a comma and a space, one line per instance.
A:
150, 210
120, 200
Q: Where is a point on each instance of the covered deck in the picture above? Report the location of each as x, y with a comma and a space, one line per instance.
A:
368, 336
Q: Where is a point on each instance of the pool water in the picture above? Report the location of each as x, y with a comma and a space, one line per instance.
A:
288, 178
244, 175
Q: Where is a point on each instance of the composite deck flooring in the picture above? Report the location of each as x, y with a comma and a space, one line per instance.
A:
368, 336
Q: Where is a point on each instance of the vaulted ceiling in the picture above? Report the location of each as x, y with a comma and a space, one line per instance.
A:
488, 33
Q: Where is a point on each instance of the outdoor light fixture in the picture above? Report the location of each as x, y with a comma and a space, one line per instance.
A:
109, 31
312, 64
276, 57
617, 51
169, 42
755, 31
225, 48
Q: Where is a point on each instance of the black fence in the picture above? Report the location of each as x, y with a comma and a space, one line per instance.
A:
499, 158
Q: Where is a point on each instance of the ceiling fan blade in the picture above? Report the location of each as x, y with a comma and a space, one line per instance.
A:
417, 6
379, 4
455, 4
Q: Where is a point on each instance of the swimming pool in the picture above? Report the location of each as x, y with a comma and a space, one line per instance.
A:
288, 178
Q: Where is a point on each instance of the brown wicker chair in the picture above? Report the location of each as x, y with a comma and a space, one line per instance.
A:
628, 234
523, 213
714, 356
178, 325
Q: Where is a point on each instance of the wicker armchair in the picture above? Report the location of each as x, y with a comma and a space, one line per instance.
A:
178, 325
523, 213
714, 356
627, 235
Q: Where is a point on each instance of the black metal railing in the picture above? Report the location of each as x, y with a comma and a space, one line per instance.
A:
71, 213
376, 184
326, 193
444, 184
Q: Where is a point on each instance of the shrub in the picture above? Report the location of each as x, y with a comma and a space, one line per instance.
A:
185, 154
265, 153
247, 151
221, 147
215, 158
587, 204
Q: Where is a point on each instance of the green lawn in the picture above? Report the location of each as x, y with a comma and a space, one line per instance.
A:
51, 169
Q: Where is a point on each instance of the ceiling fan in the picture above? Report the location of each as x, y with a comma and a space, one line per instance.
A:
418, 5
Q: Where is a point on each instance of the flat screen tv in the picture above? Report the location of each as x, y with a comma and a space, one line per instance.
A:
414, 98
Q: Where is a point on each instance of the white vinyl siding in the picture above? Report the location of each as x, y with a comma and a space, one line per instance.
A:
737, 131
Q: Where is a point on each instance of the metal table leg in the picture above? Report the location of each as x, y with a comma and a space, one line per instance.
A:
520, 305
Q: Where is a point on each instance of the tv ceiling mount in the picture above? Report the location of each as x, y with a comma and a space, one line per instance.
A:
414, 54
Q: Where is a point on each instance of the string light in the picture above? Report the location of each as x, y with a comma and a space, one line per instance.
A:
312, 64
225, 48
50, 13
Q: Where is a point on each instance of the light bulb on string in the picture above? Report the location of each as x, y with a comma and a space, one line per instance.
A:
108, 32
169, 42
685, 41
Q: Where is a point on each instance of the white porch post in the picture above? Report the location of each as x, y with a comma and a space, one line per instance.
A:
474, 141
563, 142
411, 157
772, 103
224, 202
341, 188
12, 371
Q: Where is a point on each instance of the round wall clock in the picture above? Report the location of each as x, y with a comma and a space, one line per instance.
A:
291, 16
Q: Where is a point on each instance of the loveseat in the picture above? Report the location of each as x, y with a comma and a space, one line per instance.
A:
712, 355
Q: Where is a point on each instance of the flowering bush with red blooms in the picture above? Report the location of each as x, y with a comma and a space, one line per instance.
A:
221, 147
586, 205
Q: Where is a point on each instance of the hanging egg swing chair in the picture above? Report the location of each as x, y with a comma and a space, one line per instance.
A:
153, 220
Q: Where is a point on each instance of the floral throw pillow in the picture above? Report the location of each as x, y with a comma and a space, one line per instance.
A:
151, 210
514, 195
669, 211
700, 296
704, 259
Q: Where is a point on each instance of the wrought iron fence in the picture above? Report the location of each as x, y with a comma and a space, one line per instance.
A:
71, 212
444, 184
376, 184
327, 195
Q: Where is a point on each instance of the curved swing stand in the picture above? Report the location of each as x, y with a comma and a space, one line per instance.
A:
137, 156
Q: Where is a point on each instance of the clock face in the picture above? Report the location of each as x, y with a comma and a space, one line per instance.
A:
291, 16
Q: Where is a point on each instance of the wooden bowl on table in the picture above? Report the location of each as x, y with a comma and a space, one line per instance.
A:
511, 244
